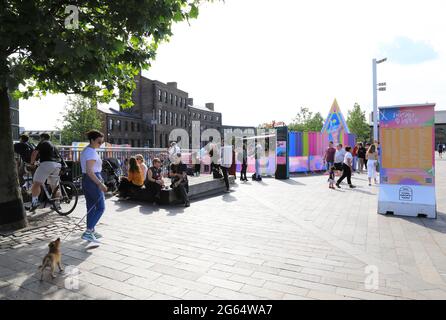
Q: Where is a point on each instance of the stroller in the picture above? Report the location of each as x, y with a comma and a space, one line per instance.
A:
111, 170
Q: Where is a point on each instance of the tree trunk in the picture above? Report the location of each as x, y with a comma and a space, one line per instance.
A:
12, 212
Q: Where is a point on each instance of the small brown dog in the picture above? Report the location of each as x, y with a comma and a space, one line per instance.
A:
52, 258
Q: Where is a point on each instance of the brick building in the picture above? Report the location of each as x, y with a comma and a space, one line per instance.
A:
122, 128
158, 109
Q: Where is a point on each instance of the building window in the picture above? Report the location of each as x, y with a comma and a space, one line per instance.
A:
170, 118
118, 124
110, 124
210, 118
198, 116
160, 95
132, 126
204, 117
126, 127
161, 140
167, 140
165, 96
165, 117
171, 98
160, 116
217, 118
176, 101
138, 128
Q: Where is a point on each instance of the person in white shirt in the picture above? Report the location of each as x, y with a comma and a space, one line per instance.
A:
173, 150
93, 184
258, 155
347, 168
339, 158
226, 162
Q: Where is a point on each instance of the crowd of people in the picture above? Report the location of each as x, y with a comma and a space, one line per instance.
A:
135, 174
345, 161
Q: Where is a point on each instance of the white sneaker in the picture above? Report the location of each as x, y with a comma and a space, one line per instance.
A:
90, 237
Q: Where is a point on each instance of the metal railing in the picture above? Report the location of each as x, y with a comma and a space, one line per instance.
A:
72, 156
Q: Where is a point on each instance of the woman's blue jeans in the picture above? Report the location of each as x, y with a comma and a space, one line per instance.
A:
95, 200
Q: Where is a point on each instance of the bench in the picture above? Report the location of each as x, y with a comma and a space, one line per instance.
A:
199, 187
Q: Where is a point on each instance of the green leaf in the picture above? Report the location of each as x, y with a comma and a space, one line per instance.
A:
193, 13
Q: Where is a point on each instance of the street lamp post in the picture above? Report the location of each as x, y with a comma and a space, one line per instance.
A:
375, 96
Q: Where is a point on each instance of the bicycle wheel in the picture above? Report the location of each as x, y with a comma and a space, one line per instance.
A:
68, 200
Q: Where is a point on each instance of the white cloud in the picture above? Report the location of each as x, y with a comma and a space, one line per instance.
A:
406, 51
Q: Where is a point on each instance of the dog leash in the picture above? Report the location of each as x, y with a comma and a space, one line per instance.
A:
77, 224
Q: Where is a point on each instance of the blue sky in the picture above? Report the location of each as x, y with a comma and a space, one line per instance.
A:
405, 51
261, 60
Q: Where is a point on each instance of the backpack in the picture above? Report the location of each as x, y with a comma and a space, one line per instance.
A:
26, 152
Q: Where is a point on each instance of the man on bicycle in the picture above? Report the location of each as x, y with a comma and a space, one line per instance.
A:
49, 168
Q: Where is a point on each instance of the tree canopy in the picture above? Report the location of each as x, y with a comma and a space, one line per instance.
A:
45, 48
80, 116
307, 121
357, 123
93, 48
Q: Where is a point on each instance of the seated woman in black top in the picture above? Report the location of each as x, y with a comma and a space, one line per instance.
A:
154, 180
178, 174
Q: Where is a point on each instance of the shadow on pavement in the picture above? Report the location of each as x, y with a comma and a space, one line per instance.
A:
19, 268
292, 182
173, 210
149, 208
124, 205
362, 191
438, 225
227, 197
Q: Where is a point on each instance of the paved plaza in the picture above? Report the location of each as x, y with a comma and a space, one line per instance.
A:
293, 239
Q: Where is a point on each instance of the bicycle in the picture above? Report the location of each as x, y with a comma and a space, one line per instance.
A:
66, 202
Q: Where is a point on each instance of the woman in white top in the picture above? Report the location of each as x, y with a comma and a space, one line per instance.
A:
92, 184
372, 158
347, 168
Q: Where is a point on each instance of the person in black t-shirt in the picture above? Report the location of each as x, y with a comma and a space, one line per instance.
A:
178, 172
24, 149
361, 157
244, 157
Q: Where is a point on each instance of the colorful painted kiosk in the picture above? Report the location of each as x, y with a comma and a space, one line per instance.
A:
407, 159
335, 126
306, 150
